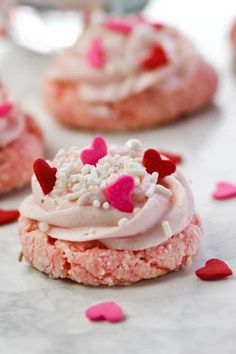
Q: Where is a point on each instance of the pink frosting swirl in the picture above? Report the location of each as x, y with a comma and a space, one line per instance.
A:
121, 74
77, 210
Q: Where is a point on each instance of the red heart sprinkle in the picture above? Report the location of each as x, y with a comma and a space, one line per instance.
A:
139, 19
95, 153
119, 193
5, 108
106, 311
224, 190
118, 26
45, 174
214, 269
153, 162
8, 216
155, 59
96, 55
157, 26
176, 158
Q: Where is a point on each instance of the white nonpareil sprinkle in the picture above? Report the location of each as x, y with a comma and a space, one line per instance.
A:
62, 177
76, 187
106, 165
96, 203
93, 188
76, 195
122, 221
137, 172
67, 167
137, 181
134, 144
167, 229
94, 181
163, 190
93, 171
150, 191
154, 177
106, 205
75, 178
111, 170
60, 153
85, 169
103, 184
73, 148
43, 226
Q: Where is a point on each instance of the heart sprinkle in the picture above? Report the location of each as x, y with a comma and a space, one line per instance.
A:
96, 55
8, 216
214, 269
157, 26
153, 162
45, 174
95, 153
119, 192
139, 19
176, 158
224, 190
155, 59
5, 108
107, 311
118, 26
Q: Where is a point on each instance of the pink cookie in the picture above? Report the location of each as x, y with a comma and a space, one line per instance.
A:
90, 263
115, 222
21, 142
16, 158
128, 90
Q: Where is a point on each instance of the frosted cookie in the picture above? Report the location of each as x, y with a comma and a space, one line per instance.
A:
128, 74
110, 215
21, 143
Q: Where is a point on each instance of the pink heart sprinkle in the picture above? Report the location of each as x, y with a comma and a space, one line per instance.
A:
5, 108
118, 26
96, 55
224, 190
119, 192
96, 152
106, 311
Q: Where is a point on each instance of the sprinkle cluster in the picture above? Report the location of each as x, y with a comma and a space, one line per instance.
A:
121, 178
76, 179
154, 57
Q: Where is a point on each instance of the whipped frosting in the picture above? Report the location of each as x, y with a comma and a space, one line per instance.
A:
12, 123
77, 210
122, 75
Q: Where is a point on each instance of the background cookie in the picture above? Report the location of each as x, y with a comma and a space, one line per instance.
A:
128, 74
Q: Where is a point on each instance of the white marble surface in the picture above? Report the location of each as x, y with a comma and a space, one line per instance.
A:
177, 313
